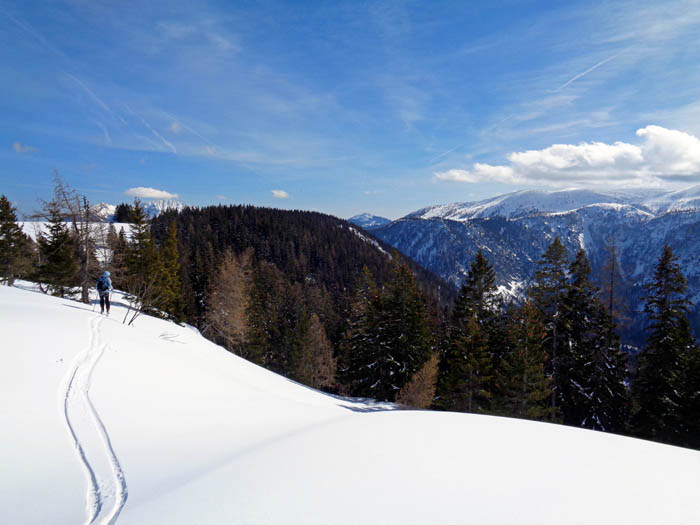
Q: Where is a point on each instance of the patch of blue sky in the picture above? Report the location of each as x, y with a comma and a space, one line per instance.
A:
347, 107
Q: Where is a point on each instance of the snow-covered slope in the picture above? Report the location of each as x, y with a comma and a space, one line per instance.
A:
154, 424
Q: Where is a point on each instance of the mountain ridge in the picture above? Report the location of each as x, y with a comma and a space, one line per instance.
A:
514, 230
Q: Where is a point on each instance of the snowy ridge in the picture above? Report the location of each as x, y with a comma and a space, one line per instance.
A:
532, 202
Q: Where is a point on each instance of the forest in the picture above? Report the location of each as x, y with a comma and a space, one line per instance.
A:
321, 302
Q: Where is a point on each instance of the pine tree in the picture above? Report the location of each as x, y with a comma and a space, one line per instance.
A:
592, 371
389, 339
402, 331
170, 283
661, 383
361, 350
467, 366
547, 293
143, 268
15, 246
525, 387
58, 266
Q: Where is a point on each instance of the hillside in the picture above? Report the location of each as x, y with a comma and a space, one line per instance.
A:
155, 424
308, 247
514, 230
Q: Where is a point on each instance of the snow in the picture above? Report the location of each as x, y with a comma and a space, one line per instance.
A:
646, 203
174, 429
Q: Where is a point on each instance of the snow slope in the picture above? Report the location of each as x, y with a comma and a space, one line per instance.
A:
154, 424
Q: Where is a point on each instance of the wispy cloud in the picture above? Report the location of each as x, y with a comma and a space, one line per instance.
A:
23, 148
150, 193
664, 156
280, 194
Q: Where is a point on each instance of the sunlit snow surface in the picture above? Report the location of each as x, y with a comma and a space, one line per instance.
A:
184, 432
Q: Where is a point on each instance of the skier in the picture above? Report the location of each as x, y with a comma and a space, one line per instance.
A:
104, 286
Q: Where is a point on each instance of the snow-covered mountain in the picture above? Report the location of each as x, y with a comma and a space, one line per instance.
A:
532, 202
156, 207
151, 423
367, 221
153, 208
514, 229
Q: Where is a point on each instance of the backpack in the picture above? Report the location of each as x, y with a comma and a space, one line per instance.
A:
102, 284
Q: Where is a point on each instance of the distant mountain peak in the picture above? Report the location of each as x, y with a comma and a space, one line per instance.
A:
368, 221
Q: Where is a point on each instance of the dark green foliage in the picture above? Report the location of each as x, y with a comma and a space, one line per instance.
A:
524, 388
307, 247
58, 266
468, 363
124, 213
389, 338
547, 293
170, 282
15, 246
666, 364
592, 369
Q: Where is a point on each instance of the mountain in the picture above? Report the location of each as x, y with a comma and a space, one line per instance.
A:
367, 221
152, 423
514, 230
155, 207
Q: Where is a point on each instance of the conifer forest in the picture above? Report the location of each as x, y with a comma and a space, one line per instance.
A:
326, 304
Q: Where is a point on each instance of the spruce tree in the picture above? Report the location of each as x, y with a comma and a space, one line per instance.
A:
389, 339
592, 370
58, 267
360, 349
465, 376
660, 387
525, 389
547, 293
467, 365
143, 268
15, 246
170, 283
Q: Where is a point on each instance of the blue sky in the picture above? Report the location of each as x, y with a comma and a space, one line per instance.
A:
346, 107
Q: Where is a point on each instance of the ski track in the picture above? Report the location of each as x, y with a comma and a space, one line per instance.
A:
107, 490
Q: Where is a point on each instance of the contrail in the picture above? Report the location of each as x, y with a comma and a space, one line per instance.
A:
184, 126
168, 144
94, 97
33, 32
444, 153
576, 77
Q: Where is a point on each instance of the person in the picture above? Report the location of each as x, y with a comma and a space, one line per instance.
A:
104, 286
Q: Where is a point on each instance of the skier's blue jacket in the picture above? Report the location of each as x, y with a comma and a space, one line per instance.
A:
104, 283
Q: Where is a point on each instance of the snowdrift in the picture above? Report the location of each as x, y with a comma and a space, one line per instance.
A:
152, 423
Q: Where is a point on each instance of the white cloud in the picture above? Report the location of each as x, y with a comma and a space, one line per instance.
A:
280, 194
23, 148
221, 198
663, 156
176, 127
150, 193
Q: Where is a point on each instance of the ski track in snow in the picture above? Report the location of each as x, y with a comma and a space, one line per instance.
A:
107, 490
